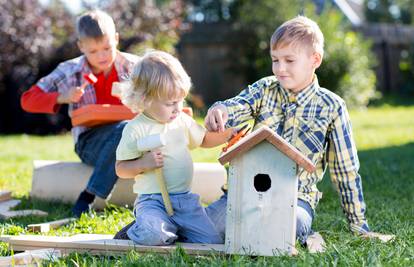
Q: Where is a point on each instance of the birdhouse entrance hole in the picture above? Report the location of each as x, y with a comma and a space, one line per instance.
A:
262, 182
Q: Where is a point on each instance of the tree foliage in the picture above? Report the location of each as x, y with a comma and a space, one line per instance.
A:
145, 24
30, 35
34, 38
389, 11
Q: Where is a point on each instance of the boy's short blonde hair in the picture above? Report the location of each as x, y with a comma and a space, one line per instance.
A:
157, 75
94, 24
299, 30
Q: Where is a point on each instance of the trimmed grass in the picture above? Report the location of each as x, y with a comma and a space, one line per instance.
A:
385, 139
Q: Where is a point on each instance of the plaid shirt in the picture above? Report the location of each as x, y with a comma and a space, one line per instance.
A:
69, 74
316, 122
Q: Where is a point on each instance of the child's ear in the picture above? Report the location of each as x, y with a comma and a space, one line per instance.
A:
317, 59
79, 44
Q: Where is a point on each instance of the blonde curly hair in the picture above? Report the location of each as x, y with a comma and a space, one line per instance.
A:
157, 75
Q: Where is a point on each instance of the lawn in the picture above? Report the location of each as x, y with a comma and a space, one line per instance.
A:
385, 140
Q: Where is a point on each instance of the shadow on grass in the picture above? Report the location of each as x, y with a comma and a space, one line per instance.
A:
388, 185
393, 100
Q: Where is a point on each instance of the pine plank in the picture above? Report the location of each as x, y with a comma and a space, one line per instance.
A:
47, 226
102, 244
28, 258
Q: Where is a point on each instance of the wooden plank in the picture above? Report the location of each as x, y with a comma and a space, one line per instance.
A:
30, 257
6, 213
265, 133
102, 244
62, 181
5, 238
47, 226
261, 205
21, 213
5, 195
9, 204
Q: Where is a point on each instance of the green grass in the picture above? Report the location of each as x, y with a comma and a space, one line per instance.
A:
385, 140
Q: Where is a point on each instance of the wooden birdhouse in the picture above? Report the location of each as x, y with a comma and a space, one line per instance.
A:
262, 194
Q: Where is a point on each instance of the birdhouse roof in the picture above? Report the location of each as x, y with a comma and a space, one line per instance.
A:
265, 133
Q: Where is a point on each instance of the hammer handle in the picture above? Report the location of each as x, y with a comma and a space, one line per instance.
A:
164, 192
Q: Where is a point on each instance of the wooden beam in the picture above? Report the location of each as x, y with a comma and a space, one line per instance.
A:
9, 204
6, 213
101, 244
21, 213
47, 226
30, 257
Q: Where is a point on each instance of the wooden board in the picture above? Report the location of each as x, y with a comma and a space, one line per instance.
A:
95, 114
30, 258
62, 181
9, 204
101, 244
261, 203
47, 226
20, 213
99, 114
259, 135
6, 213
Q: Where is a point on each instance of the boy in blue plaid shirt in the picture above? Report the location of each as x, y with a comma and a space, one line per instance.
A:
313, 119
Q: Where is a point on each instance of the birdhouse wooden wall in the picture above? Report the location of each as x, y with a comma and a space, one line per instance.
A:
262, 199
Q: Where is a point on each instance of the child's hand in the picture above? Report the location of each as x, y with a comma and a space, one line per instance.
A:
153, 160
71, 96
216, 118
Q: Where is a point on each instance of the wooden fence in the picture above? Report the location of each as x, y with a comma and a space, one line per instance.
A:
208, 50
391, 45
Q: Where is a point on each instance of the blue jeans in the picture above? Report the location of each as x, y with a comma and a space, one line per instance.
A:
97, 147
304, 217
189, 223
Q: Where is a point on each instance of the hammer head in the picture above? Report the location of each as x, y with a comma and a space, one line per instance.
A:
151, 142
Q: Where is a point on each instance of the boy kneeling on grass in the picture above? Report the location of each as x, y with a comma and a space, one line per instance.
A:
158, 87
311, 118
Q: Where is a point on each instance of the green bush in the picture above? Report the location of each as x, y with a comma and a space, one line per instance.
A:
348, 61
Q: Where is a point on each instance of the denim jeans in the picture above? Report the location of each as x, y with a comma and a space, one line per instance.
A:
304, 217
97, 147
189, 223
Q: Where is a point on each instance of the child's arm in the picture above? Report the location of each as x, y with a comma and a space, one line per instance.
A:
343, 164
212, 139
35, 100
241, 108
130, 168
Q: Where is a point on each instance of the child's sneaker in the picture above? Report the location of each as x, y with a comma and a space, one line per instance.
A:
122, 234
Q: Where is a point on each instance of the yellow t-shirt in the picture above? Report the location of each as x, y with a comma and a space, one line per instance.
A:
182, 134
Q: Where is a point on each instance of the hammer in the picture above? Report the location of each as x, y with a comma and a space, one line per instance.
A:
149, 143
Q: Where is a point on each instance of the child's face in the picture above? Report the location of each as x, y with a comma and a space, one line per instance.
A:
100, 53
164, 111
294, 66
